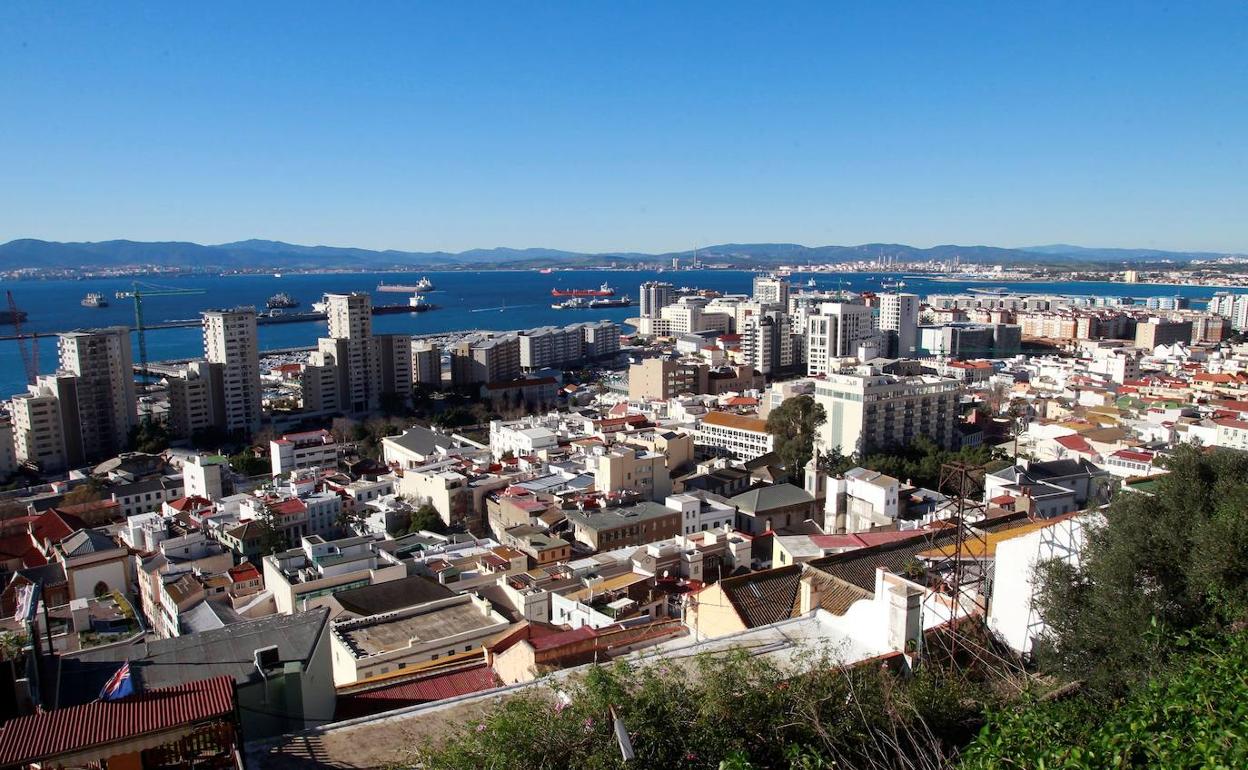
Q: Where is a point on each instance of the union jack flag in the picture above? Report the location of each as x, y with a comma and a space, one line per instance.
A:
120, 685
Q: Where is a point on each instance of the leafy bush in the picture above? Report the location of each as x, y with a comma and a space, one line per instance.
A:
1190, 717
741, 711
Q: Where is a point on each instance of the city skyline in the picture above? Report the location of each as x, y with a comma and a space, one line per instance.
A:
640, 129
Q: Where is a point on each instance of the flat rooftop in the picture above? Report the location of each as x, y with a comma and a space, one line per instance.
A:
387, 635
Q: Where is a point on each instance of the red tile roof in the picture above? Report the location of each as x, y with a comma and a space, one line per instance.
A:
243, 572
1133, 456
55, 525
1075, 443
43, 736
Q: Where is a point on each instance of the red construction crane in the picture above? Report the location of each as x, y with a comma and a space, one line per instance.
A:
29, 348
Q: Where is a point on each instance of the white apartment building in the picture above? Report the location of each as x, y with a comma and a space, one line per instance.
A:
702, 511
350, 348
869, 411
548, 346
745, 438
39, 430
899, 317
297, 451
771, 289
859, 500
103, 362
653, 297
835, 333
230, 340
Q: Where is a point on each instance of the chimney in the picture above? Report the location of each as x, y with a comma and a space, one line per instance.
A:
808, 592
905, 629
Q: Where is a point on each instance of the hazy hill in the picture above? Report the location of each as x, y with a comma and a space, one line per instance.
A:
29, 252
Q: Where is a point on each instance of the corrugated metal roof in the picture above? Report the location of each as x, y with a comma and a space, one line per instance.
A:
414, 691
47, 735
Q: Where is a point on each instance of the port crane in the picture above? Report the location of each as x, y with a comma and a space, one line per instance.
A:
137, 292
30, 353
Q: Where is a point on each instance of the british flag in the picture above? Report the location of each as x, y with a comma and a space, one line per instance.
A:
120, 685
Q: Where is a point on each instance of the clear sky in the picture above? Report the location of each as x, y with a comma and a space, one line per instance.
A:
626, 125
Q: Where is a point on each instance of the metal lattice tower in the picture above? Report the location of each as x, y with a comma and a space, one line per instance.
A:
963, 570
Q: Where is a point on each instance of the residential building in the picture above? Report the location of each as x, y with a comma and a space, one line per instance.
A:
484, 359
702, 511
1151, 333
305, 577
836, 332
653, 297
298, 451
771, 289
550, 346
899, 319
625, 526
427, 363
41, 434
658, 379
859, 500
204, 476
739, 436
380, 644
867, 411
196, 399
103, 364
627, 468
230, 340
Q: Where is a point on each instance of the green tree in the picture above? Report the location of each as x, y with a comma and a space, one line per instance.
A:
149, 436
793, 424
1158, 567
426, 518
246, 463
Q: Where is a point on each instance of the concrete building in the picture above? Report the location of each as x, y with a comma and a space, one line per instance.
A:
836, 332
771, 289
40, 433
427, 363
742, 437
658, 379
860, 500
485, 359
367, 366
899, 319
970, 340
103, 363
230, 340
8, 455
380, 644
653, 297
625, 526
196, 399
299, 451
305, 577
1153, 332
203, 476
627, 468
868, 411
550, 346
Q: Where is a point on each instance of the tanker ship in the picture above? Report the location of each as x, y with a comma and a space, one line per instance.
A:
602, 291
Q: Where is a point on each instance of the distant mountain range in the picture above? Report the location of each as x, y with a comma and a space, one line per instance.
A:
29, 252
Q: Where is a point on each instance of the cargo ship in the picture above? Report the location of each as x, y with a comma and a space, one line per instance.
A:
94, 299
281, 300
424, 284
581, 303
602, 291
9, 317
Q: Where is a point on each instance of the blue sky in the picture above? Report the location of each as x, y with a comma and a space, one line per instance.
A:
626, 126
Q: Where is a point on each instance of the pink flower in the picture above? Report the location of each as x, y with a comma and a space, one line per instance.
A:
480, 728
